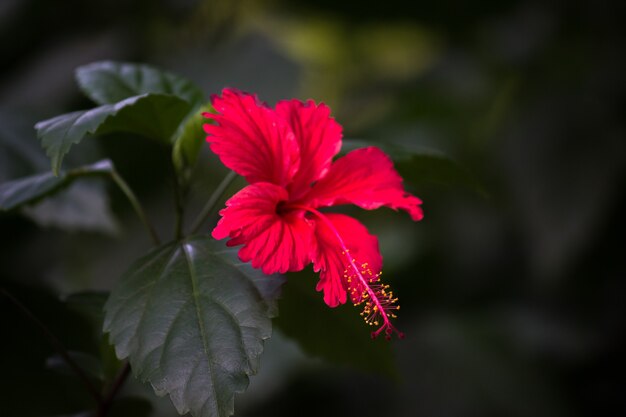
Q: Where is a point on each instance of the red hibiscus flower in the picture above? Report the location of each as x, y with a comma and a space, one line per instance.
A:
286, 155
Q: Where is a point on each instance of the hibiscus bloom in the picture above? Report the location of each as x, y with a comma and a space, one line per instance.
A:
286, 156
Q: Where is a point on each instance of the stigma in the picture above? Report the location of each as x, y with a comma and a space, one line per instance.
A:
379, 302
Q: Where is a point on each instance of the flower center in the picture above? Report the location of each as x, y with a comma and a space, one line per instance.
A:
282, 208
365, 287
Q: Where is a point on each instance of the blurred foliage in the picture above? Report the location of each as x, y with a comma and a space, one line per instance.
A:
512, 304
337, 335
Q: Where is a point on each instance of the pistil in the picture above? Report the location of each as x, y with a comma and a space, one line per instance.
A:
365, 286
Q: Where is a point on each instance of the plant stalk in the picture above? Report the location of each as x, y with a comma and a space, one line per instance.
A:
208, 207
136, 206
179, 194
105, 405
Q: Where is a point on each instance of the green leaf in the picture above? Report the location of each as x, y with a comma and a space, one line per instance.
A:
337, 335
17, 193
155, 116
130, 407
20, 152
90, 305
121, 407
189, 140
192, 319
420, 166
24, 354
108, 82
90, 364
430, 167
83, 206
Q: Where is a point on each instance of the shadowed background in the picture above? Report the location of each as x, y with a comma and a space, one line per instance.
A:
512, 287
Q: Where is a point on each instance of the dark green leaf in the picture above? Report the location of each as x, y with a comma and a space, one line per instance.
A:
337, 335
20, 152
121, 407
192, 320
189, 140
131, 407
90, 305
348, 145
419, 166
155, 116
88, 363
24, 354
108, 82
435, 168
82, 206
27, 190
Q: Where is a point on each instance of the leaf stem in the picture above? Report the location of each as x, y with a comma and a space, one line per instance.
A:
136, 206
180, 208
105, 405
208, 207
57, 345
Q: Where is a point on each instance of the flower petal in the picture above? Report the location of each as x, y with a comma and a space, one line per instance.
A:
330, 259
319, 139
274, 242
365, 177
251, 139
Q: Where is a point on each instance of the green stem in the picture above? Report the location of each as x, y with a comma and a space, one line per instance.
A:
180, 209
105, 404
136, 205
57, 345
117, 384
208, 207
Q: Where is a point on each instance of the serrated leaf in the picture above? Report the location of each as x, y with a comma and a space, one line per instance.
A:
17, 193
189, 140
192, 320
108, 82
155, 116
337, 335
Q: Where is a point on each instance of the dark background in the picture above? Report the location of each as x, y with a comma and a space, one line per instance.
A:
512, 290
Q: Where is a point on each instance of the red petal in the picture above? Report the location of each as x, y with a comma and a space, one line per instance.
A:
365, 177
273, 242
252, 139
330, 259
318, 137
